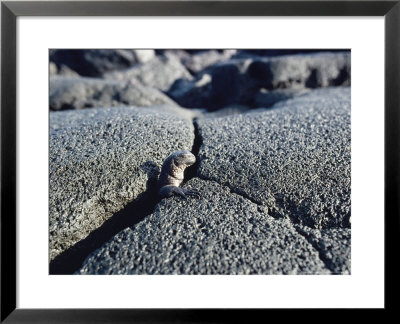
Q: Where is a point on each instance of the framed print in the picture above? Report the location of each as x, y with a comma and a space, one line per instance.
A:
181, 155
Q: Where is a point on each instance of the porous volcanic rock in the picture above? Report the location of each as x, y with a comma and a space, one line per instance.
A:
265, 98
96, 62
261, 81
199, 61
102, 159
298, 152
308, 70
78, 93
334, 246
220, 233
192, 93
160, 72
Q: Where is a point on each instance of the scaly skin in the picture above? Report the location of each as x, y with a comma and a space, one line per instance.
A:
171, 175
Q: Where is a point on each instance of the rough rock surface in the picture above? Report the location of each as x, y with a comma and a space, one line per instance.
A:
249, 81
227, 111
334, 246
52, 68
199, 61
160, 72
294, 157
265, 98
309, 70
100, 160
220, 85
225, 86
192, 93
95, 62
221, 233
188, 114
61, 70
273, 161
280, 52
78, 93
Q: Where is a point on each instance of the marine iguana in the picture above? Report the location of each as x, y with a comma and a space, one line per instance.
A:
171, 175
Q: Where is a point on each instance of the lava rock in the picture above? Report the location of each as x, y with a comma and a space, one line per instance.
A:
52, 69
61, 70
280, 52
221, 233
225, 86
199, 61
250, 81
78, 93
181, 54
298, 152
102, 159
308, 70
144, 55
334, 246
226, 111
192, 93
95, 62
265, 98
160, 72
218, 86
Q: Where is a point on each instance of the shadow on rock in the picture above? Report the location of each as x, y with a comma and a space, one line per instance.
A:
71, 260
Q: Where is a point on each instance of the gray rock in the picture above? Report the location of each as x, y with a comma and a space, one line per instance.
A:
293, 157
334, 246
61, 70
225, 86
181, 54
221, 233
160, 72
188, 114
66, 71
199, 61
279, 52
95, 62
52, 68
192, 93
102, 159
227, 111
241, 81
241, 64
144, 55
308, 70
266, 98
214, 88
78, 93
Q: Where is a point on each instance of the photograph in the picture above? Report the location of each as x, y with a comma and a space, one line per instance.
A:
199, 161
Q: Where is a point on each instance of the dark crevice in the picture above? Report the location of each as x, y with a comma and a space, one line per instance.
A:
233, 190
277, 213
273, 210
192, 171
270, 208
322, 257
71, 259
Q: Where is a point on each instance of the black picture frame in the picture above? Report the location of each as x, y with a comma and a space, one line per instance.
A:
11, 10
